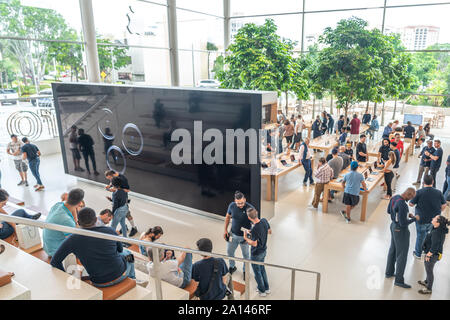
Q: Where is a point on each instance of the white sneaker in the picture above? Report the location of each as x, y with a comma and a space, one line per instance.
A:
262, 294
267, 292
142, 283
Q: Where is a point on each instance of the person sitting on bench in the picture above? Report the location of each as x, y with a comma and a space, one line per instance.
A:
174, 271
6, 229
106, 262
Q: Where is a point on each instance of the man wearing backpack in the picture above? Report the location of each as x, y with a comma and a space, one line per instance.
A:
210, 274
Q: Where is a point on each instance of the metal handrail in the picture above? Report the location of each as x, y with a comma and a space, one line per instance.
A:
156, 246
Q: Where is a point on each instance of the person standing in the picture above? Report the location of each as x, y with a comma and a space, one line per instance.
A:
120, 205
374, 127
429, 202
73, 144
400, 146
354, 129
352, 183
420, 136
409, 132
323, 174
86, 145
397, 161
305, 157
31, 153
14, 149
258, 242
316, 127
361, 150
288, 132
383, 152
340, 124
425, 161
343, 136
111, 174
366, 117
237, 214
446, 188
388, 175
436, 160
387, 131
398, 250
299, 126
330, 123
281, 129
433, 247
336, 163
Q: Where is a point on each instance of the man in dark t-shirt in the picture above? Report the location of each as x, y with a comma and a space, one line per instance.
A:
86, 145
237, 213
436, 160
31, 153
429, 202
258, 241
361, 149
211, 283
409, 131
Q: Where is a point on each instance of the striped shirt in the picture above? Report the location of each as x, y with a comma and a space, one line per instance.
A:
324, 174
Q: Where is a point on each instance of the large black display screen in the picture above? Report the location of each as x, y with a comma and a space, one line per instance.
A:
131, 128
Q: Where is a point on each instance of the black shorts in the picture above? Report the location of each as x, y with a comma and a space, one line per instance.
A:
76, 154
350, 199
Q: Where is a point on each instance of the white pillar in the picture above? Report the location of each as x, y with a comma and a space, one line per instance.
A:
226, 24
173, 42
87, 20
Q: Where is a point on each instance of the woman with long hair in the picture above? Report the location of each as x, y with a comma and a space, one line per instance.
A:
433, 247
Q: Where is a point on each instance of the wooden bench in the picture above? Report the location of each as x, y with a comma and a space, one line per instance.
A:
117, 290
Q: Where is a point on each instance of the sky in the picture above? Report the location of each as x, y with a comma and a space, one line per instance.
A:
110, 17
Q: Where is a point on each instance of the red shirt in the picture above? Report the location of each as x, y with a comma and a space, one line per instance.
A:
400, 146
354, 126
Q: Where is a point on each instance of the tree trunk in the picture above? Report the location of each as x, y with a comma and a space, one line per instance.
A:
287, 103
395, 109
374, 108
403, 108
367, 106
300, 106
1, 79
313, 108
345, 114
382, 113
331, 105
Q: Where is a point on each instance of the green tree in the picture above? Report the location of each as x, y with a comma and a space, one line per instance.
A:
259, 59
111, 57
210, 47
30, 22
344, 66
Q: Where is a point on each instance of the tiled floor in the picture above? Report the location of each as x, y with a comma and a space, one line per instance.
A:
350, 257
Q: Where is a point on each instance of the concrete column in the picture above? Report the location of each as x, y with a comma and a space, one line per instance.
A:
87, 20
173, 42
226, 24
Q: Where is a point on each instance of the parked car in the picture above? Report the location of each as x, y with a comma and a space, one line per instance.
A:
8, 96
208, 83
42, 99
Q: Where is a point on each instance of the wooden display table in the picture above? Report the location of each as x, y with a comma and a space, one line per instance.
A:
273, 175
375, 178
325, 143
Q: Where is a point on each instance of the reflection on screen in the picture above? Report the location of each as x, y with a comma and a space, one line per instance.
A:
131, 130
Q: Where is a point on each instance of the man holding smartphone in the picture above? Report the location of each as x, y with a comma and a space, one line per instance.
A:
237, 213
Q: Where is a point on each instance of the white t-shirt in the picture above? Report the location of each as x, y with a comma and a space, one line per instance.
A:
299, 126
168, 271
13, 147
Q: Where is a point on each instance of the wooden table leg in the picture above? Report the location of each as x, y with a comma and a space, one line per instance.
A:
407, 154
365, 195
269, 188
413, 144
309, 133
326, 192
275, 198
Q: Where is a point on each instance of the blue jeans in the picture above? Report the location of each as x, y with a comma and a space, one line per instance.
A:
120, 216
143, 250
232, 246
186, 267
330, 126
422, 230
129, 272
7, 229
447, 191
34, 167
308, 171
260, 272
